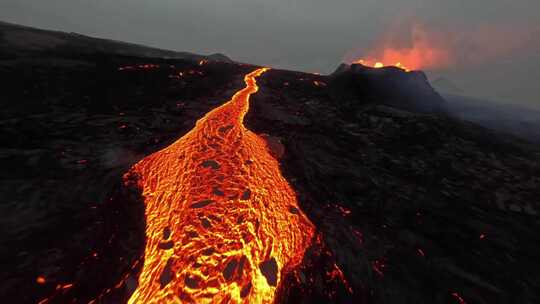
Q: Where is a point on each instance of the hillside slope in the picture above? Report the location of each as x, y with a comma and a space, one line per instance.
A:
409, 205
18, 42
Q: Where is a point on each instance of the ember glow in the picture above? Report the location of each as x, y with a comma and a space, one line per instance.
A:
222, 224
378, 64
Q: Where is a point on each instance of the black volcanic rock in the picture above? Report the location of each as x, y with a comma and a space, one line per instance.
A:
410, 206
342, 68
390, 86
27, 40
73, 121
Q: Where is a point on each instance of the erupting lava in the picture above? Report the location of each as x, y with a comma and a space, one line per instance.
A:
408, 47
222, 224
378, 64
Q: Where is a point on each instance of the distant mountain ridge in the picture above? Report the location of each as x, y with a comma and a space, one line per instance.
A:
18, 40
517, 120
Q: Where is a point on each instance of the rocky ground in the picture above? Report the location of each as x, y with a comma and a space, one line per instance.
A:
71, 126
414, 208
411, 206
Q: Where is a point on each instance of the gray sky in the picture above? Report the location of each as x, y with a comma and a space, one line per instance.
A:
492, 47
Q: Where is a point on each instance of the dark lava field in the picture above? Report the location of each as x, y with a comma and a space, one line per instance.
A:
410, 204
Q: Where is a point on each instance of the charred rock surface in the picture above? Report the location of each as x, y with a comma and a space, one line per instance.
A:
72, 123
410, 206
390, 86
18, 41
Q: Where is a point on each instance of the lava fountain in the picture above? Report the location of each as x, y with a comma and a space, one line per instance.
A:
222, 224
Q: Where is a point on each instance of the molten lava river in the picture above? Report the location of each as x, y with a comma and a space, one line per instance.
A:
222, 224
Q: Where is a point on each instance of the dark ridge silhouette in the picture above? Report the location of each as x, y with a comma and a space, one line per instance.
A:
389, 86
18, 40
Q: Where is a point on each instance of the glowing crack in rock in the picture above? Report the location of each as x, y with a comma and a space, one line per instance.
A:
222, 224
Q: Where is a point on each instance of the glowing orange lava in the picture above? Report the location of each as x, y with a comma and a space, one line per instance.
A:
378, 64
222, 224
409, 47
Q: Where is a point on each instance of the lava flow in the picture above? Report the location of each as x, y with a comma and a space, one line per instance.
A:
222, 224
